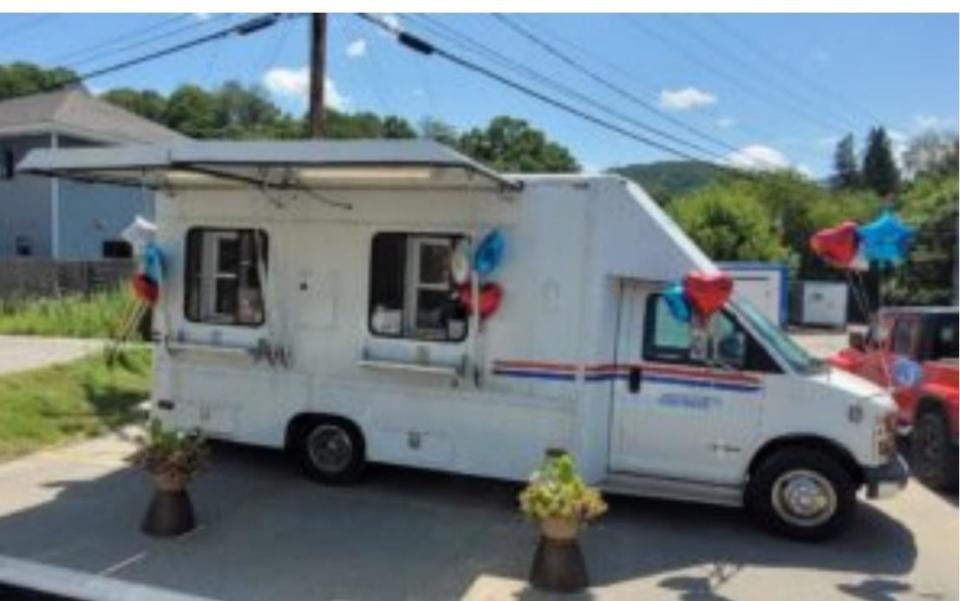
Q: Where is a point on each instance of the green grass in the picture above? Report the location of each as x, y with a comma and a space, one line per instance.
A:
68, 402
94, 316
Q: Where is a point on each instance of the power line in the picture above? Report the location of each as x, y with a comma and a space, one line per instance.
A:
149, 40
426, 48
619, 90
771, 83
248, 27
463, 40
781, 66
752, 92
632, 76
32, 23
116, 39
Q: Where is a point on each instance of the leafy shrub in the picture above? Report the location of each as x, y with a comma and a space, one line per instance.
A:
557, 491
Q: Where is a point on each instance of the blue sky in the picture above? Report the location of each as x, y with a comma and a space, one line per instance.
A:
780, 87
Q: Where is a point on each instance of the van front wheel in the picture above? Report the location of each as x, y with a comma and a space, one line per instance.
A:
804, 494
332, 451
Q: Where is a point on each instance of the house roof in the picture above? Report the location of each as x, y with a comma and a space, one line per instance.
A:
277, 164
75, 112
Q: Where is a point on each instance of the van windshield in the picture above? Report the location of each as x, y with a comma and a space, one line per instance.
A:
779, 342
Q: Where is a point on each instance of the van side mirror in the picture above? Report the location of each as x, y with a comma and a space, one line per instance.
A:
858, 341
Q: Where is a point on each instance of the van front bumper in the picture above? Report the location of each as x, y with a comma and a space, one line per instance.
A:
884, 481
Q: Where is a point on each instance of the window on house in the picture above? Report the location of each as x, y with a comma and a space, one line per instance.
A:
411, 291
9, 164
223, 284
117, 249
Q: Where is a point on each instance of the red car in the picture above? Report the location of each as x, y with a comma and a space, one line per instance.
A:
912, 351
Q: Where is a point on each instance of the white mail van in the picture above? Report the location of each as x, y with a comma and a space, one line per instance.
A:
308, 302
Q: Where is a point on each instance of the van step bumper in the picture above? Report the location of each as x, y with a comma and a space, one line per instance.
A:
884, 481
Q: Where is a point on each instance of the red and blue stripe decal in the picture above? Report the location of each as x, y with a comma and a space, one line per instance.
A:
661, 373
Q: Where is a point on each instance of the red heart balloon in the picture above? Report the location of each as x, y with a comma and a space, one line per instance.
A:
707, 291
836, 245
490, 295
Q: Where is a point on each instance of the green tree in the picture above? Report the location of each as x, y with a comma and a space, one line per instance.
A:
397, 127
146, 103
929, 273
729, 222
435, 129
190, 111
880, 172
21, 78
512, 145
930, 153
846, 173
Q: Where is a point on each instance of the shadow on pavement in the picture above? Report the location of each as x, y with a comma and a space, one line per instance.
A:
267, 532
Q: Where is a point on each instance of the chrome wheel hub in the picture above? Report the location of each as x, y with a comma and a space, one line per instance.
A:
804, 498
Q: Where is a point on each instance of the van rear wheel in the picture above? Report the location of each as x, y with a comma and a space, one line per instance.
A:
804, 494
332, 451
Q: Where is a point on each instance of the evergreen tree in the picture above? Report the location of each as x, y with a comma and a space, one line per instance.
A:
846, 172
880, 172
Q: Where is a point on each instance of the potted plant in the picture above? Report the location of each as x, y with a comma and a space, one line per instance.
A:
557, 498
171, 458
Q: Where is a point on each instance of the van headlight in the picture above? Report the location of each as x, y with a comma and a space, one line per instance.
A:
885, 436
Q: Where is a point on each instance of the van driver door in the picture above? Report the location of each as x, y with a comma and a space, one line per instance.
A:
676, 415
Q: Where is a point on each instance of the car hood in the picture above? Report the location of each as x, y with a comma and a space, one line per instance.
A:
845, 382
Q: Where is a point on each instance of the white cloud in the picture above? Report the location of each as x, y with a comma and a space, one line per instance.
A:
927, 122
726, 122
758, 157
357, 48
685, 99
294, 83
804, 171
393, 22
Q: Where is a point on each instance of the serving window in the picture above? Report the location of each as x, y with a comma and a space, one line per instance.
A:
223, 276
412, 293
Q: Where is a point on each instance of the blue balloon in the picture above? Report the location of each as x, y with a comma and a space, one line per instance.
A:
885, 239
153, 262
489, 253
677, 303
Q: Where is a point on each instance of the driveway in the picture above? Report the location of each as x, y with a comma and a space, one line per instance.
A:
268, 533
18, 353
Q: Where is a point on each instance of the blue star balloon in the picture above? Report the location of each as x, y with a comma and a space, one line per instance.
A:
885, 239
677, 303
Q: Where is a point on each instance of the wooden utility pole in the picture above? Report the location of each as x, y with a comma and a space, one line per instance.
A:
318, 59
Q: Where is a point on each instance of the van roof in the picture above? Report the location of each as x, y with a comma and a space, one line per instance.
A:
279, 164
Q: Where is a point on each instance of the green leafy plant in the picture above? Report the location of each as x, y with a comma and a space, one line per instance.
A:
171, 452
556, 491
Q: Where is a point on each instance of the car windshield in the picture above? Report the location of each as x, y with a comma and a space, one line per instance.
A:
778, 341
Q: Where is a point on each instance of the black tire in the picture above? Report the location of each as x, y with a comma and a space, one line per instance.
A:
933, 457
331, 451
780, 486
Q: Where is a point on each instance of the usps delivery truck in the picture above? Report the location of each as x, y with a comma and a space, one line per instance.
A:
313, 298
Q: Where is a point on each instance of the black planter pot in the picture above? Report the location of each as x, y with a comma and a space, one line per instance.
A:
559, 567
170, 514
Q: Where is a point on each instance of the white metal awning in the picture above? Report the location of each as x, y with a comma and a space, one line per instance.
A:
281, 165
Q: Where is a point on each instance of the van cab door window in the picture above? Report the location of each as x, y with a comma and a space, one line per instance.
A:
727, 344
223, 276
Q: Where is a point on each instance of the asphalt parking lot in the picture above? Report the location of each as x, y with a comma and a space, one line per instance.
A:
267, 533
